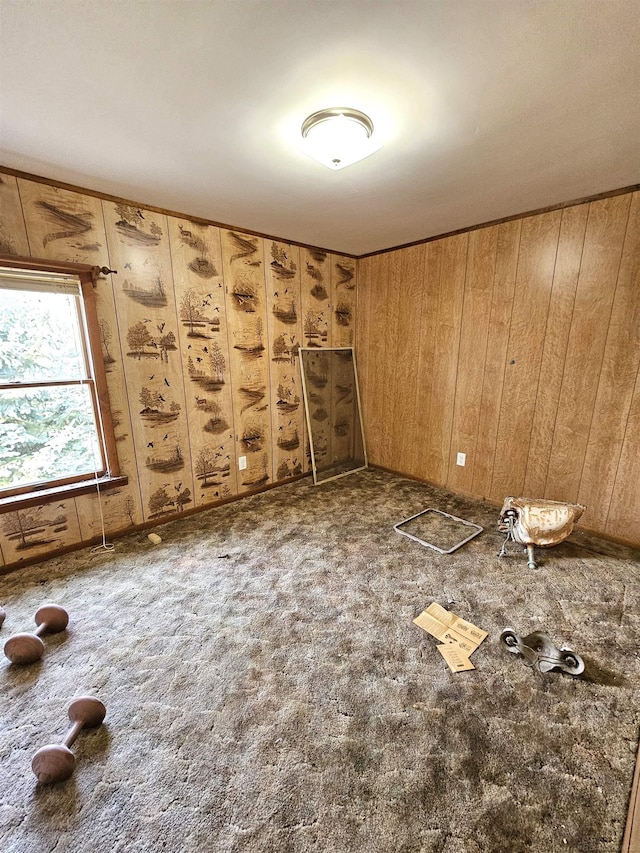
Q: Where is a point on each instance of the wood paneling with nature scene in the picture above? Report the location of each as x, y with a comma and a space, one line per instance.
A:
199, 332
125, 508
245, 298
319, 386
38, 530
118, 509
69, 226
202, 331
315, 275
343, 301
122, 508
284, 304
62, 224
147, 318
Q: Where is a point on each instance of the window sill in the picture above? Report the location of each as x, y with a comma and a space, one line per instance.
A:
57, 493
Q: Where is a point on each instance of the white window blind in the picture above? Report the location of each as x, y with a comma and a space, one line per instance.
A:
42, 282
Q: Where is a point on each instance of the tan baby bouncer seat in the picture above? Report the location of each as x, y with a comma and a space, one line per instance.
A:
531, 522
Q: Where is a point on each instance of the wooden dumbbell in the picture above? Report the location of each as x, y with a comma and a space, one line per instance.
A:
28, 648
55, 762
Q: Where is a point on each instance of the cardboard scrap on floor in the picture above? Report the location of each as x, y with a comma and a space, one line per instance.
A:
459, 639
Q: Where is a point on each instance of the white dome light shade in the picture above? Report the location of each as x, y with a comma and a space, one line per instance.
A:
338, 137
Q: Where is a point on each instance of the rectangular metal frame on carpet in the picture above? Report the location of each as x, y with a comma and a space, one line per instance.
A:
477, 530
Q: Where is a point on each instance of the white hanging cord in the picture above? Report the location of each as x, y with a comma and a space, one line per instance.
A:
104, 545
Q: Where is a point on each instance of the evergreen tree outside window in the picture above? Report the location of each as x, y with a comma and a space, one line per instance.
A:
55, 424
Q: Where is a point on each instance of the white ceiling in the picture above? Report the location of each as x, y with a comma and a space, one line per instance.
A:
488, 108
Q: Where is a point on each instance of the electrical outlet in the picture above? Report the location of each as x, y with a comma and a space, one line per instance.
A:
242, 462
461, 459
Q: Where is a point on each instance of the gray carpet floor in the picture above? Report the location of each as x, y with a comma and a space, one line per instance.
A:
267, 690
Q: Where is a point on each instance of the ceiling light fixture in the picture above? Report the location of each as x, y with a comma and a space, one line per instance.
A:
338, 137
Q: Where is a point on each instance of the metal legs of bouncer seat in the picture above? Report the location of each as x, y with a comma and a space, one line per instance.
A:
507, 525
531, 522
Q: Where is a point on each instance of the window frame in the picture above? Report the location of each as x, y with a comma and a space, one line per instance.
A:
30, 495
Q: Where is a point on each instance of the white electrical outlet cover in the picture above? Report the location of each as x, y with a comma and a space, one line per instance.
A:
461, 459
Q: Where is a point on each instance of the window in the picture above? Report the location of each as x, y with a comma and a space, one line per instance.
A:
56, 434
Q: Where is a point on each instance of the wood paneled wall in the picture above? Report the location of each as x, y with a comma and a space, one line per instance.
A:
519, 345
200, 330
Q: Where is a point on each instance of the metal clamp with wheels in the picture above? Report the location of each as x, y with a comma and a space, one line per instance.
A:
541, 653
